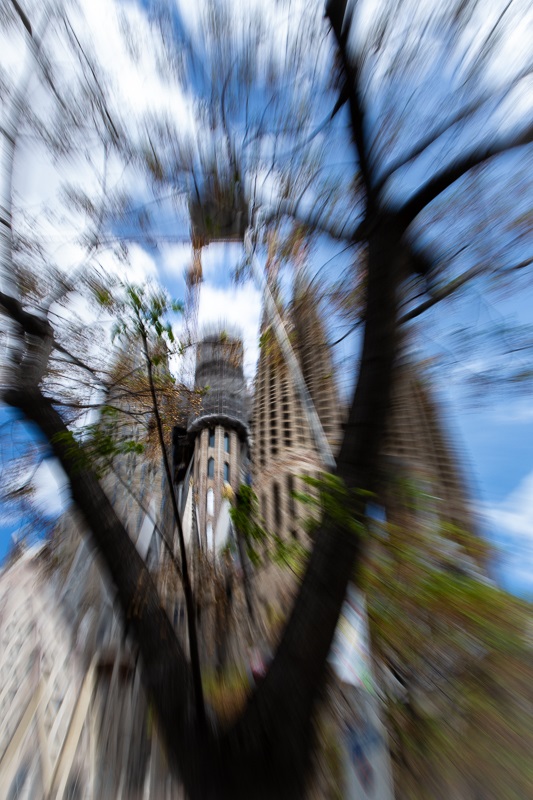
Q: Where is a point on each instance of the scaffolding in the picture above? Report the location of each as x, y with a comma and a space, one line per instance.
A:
219, 373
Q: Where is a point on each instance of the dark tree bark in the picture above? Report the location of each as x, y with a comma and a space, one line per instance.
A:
165, 669
274, 737
190, 602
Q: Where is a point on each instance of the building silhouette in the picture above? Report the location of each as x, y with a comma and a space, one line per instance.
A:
76, 723
417, 449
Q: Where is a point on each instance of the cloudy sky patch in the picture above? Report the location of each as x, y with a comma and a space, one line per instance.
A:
512, 524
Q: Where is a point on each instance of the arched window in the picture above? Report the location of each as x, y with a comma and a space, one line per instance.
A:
290, 491
226, 443
210, 467
226, 472
277, 505
264, 509
209, 532
211, 437
210, 502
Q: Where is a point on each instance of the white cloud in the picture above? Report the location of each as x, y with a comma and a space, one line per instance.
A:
219, 259
139, 268
512, 523
131, 53
74, 308
515, 513
50, 482
135, 84
175, 257
513, 412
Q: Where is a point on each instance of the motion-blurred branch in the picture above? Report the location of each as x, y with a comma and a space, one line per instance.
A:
439, 130
458, 168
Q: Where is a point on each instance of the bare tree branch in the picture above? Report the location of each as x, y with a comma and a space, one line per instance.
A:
166, 544
30, 323
74, 359
338, 230
340, 19
443, 292
452, 286
439, 130
24, 19
452, 173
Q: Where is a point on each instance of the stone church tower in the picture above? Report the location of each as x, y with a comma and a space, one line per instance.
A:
315, 359
417, 449
283, 446
220, 432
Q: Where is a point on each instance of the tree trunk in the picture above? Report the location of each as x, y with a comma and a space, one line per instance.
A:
165, 670
267, 753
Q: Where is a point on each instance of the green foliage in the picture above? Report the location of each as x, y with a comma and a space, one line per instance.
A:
261, 545
265, 338
96, 445
289, 554
331, 497
144, 314
244, 515
456, 641
103, 296
76, 454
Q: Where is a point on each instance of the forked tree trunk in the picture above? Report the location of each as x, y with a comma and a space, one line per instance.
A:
267, 754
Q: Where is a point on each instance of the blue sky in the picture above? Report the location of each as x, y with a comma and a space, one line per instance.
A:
18, 440
493, 427
493, 433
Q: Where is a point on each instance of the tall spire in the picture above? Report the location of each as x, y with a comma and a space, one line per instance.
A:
193, 279
314, 353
